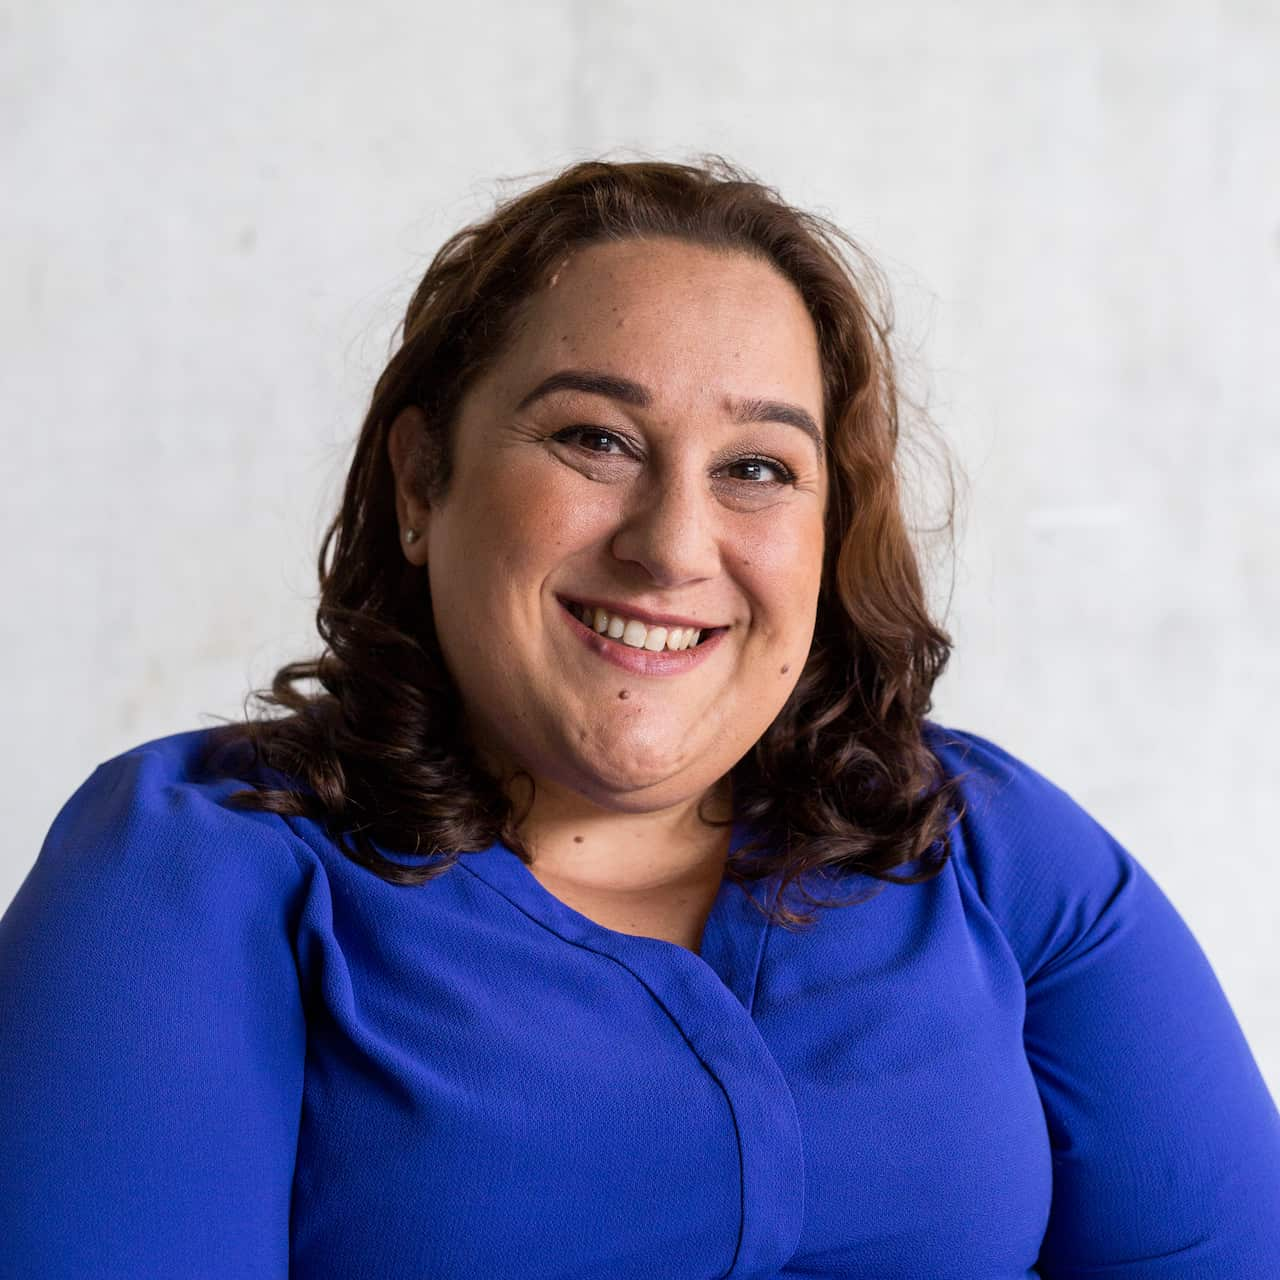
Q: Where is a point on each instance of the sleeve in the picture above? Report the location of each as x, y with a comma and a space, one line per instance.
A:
1165, 1140
151, 1038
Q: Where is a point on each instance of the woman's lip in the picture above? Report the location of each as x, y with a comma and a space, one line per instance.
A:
642, 662
649, 619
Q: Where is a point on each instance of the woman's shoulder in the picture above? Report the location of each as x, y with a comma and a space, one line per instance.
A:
163, 807
1045, 867
1004, 793
989, 765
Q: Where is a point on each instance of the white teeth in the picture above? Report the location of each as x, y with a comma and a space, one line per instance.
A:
636, 634
656, 639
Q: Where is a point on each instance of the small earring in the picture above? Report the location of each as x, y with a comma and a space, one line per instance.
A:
411, 535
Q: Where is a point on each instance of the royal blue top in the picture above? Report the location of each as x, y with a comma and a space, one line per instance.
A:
228, 1051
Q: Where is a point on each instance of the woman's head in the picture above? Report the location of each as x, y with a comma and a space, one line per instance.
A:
747, 481
608, 455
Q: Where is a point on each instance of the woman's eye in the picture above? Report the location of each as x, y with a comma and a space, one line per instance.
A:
781, 474
589, 436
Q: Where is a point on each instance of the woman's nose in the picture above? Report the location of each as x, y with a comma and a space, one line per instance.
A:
671, 530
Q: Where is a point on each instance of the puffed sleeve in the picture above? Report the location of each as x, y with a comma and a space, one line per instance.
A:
1165, 1140
151, 1037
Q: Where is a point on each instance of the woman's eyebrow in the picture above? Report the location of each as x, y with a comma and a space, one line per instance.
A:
639, 397
600, 384
778, 411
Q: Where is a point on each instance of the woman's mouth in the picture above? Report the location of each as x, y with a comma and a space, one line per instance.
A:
637, 647
636, 634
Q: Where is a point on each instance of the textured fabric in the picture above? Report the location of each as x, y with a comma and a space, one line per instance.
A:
229, 1051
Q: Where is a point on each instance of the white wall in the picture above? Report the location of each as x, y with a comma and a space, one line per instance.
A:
214, 214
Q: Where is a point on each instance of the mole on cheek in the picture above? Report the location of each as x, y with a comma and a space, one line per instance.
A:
577, 839
785, 669
624, 693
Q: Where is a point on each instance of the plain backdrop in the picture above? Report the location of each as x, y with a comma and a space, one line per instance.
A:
214, 214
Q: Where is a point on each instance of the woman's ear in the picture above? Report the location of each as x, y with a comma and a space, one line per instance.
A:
406, 446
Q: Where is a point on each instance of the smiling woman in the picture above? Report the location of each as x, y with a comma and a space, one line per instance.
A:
490, 956
660, 392
679, 522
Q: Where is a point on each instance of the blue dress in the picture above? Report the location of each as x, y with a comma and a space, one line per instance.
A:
228, 1051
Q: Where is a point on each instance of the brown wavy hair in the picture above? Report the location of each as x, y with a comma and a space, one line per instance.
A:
842, 781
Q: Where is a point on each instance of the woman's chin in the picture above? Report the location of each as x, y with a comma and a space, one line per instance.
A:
630, 784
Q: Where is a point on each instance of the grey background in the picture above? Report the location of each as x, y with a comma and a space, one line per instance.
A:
214, 215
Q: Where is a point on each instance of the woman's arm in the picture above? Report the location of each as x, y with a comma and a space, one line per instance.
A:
1165, 1141
151, 1038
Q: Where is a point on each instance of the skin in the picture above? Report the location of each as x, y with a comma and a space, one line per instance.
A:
666, 517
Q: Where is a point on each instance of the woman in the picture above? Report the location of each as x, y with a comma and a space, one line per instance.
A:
613, 909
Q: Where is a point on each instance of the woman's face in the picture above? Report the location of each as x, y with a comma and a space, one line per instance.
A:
683, 485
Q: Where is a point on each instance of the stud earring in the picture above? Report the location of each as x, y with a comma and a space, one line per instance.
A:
411, 535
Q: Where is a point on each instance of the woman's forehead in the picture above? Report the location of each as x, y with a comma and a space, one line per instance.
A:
660, 270
664, 311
